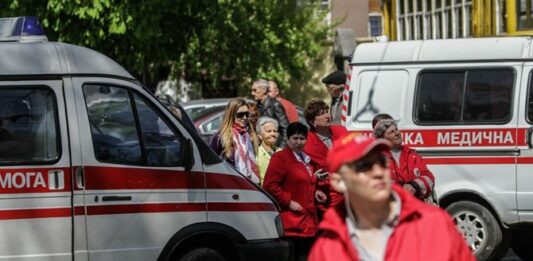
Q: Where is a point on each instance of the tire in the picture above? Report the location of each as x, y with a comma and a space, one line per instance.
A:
522, 244
202, 254
480, 229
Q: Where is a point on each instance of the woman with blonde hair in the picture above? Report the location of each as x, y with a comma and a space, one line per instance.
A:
236, 142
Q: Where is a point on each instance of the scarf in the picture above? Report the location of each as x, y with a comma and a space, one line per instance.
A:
244, 154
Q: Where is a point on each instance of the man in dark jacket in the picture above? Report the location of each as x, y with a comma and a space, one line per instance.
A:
335, 83
271, 108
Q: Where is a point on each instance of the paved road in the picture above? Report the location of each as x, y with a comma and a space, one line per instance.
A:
511, 256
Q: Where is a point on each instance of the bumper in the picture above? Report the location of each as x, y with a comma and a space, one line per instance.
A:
265, 250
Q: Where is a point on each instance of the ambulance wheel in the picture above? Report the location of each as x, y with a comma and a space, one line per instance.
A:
522, 244
202, 254
480, 229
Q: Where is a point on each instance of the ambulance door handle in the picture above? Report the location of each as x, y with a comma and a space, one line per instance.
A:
116, 198
80, 179
529, 138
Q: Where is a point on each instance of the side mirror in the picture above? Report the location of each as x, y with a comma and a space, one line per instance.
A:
187, 154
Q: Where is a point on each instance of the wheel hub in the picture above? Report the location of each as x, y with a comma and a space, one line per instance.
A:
473, 229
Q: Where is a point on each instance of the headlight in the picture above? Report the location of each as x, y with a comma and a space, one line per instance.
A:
279, 226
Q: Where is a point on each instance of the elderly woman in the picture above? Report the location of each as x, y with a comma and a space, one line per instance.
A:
407, 167
319, 141
267, 130
236, 142
291, 180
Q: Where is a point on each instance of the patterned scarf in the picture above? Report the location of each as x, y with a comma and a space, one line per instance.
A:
244, 154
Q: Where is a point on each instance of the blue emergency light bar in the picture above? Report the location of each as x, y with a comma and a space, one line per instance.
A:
21, 29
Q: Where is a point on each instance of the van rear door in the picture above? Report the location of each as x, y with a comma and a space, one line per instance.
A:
35, 172
525, 160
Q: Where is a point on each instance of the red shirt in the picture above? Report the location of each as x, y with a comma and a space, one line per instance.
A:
423, 232
411, 169
317, 150
290, 110
288, 179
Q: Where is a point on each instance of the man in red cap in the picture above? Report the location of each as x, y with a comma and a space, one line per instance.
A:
379, 220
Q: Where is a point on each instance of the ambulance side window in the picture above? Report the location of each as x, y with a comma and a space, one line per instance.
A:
28, 126
481, 96
127, 130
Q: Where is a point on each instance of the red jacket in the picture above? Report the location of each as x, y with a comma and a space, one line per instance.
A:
412, 170
423, 232
317, 150
288, 179
290, 110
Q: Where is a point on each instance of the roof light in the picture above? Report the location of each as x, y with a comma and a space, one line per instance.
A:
21, 29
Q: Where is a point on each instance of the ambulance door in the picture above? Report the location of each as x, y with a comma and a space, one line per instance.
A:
525, 146
140, 180
35, 172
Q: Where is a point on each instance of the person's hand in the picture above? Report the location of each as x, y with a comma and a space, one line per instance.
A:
410, 188
295, 206
321, 174
320, 196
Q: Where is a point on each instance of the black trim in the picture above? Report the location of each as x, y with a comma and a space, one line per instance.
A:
350, 98
265, 250
441, 62
30, 77
205, 228
470, 152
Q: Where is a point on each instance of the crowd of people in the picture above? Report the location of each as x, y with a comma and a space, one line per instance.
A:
343, 196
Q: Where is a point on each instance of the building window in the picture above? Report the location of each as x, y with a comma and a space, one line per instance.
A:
524, 14
431, 19
375, 25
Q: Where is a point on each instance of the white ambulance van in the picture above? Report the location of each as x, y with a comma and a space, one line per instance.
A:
466, 105
93, 167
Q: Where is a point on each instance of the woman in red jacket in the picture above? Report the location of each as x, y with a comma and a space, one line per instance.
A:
291, 180
320, 138
380, 221
407, 167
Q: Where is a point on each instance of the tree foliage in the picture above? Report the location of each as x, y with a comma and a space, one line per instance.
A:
221, 45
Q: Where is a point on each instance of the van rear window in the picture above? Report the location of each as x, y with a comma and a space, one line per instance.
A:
28, 126
477, 96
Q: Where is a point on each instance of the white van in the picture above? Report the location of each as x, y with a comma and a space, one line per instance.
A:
94, 167
466, 105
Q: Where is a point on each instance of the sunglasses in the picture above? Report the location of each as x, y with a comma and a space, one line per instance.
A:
365, 165
240, 115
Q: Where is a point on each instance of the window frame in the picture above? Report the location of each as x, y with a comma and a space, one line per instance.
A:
57, 124
417, 101
131, 96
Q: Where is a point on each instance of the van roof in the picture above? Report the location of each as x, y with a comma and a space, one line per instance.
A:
52, 58
449, 50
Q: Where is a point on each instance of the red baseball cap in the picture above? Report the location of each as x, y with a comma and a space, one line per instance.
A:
353, 147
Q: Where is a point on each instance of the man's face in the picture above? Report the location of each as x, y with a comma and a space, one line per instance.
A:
259, 93
335, 90
368, 179
393, 135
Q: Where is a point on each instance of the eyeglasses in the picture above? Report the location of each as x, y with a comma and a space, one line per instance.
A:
365, 165
240, 115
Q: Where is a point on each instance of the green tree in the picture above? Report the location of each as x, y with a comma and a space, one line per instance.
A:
219, 45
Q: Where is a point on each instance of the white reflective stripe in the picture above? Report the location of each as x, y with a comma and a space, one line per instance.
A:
429, 182
421, 185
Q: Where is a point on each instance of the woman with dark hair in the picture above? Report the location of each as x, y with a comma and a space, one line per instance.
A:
291, 180
236, 142
319, 141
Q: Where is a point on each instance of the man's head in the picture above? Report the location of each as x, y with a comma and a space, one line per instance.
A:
335, 83
317, 115
273, 89
388, 129
360, 169
260, 90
